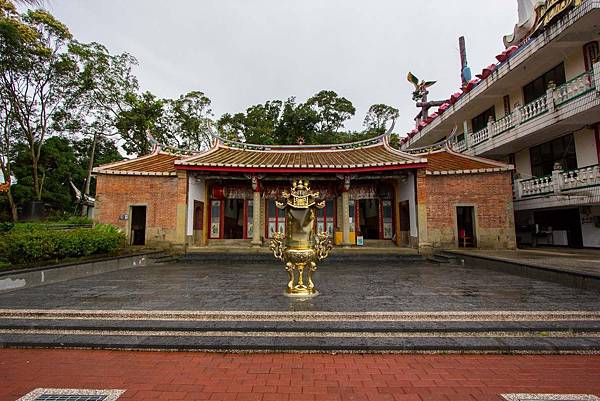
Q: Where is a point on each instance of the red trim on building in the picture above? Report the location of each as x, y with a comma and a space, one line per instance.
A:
301, 170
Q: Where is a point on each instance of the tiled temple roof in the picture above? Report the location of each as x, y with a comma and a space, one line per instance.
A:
159, 163
375, 155
446, 161
330, 157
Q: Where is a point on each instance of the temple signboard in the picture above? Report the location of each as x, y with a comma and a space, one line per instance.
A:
553, 9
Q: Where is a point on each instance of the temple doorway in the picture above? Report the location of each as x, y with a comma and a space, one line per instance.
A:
465, 216
233, 219
138, 225
368, 218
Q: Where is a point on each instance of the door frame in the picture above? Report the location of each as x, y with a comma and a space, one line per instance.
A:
475, 223
130, 219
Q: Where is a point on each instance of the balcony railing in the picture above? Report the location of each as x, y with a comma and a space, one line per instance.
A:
535, 186
555, 97
504, 124
581, 178
534, 108
460, 146
559, 182
580, 85
480, 136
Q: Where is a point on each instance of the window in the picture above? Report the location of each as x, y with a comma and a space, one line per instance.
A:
351, 206
325, 218
591, 53
481, 121
560, 150
538, 87
388, 222
215, 219
275, 219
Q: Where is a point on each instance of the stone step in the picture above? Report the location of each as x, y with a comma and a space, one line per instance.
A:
409, 327
297, 316
497, 332
302, 343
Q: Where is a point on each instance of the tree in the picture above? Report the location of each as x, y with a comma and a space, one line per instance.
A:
232, 126
7, 141
103, 82
94, 151
332, 110
57, 165
258, 125
186, 120
62, 161
298, 121
36, 77
377, 117
143, 114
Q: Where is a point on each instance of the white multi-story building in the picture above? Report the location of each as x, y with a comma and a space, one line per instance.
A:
539, 109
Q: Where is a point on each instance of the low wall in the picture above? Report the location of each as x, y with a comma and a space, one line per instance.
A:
27, 278
569, 278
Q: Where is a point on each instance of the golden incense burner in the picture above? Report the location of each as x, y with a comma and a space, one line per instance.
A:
301, 247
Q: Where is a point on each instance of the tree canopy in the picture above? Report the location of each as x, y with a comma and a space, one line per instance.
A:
319, 120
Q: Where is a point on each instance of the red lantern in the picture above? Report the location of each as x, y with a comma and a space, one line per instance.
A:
217, 191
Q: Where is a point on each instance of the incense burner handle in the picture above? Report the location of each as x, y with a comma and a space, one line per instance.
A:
278, 246
322, 245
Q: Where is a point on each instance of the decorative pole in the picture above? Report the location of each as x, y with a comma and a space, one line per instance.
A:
420, 96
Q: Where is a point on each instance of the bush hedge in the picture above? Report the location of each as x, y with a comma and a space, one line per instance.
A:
36, 245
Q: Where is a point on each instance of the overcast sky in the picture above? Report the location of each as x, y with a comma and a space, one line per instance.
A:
244, 52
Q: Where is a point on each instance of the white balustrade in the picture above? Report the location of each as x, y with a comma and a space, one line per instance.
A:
535, 108
480, 136
559, 181
575, 87
460, 146
503, 124
536, 186
580, 178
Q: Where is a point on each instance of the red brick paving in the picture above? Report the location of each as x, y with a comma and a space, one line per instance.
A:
296, 377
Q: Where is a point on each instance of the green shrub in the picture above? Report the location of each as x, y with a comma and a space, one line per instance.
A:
5, 227
35, 245
107, 228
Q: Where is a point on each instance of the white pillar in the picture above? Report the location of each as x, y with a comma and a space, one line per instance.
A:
596, 77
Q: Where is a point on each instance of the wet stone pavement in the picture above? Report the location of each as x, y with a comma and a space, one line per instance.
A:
381, 286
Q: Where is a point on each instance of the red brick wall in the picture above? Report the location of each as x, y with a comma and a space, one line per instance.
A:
489, 193
161, 195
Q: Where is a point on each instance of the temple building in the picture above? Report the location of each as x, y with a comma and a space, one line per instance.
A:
375, 195
537, 107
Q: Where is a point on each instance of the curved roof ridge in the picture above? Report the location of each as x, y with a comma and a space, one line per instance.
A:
156, 151
331, 146
388, 146
478, 159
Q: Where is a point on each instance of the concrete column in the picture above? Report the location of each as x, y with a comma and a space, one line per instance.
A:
467, 134
425, 247
181, 205
596, 76
550, 97
346, 219
256, 242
